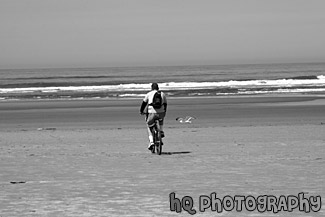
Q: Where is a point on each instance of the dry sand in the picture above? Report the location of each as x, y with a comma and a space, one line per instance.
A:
89, 158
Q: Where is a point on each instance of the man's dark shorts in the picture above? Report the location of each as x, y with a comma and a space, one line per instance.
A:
152, 117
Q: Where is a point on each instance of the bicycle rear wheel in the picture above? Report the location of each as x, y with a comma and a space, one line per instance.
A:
159, 140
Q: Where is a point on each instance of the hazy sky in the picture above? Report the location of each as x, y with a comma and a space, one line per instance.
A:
90, 33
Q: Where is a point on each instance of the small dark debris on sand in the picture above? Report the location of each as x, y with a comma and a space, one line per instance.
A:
18, 182
47, 128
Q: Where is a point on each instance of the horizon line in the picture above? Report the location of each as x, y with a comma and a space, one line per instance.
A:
148, 66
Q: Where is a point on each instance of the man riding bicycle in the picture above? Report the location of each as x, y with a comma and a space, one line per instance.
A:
156, 110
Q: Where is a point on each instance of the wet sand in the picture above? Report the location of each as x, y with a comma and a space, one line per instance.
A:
89, 158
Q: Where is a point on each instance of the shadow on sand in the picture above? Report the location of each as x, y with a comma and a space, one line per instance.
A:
177, 152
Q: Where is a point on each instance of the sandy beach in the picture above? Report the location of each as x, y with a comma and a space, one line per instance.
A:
90, 157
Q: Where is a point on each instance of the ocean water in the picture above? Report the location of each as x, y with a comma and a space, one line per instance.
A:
176, 81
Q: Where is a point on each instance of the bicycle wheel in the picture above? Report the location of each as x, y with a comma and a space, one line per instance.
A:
159, 140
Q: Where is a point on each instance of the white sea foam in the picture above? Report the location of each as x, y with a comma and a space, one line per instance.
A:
131, 95
175, 86
298, 90
249, 83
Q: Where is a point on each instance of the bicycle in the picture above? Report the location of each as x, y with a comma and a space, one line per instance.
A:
157, 139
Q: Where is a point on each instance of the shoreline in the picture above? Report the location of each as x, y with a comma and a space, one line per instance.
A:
261, 95
279, 95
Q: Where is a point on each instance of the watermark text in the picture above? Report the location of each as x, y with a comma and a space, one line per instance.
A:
262, 203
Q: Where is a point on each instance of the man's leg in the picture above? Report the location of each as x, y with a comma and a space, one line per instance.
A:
150, 134
150, 122
161, 123
162, 130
